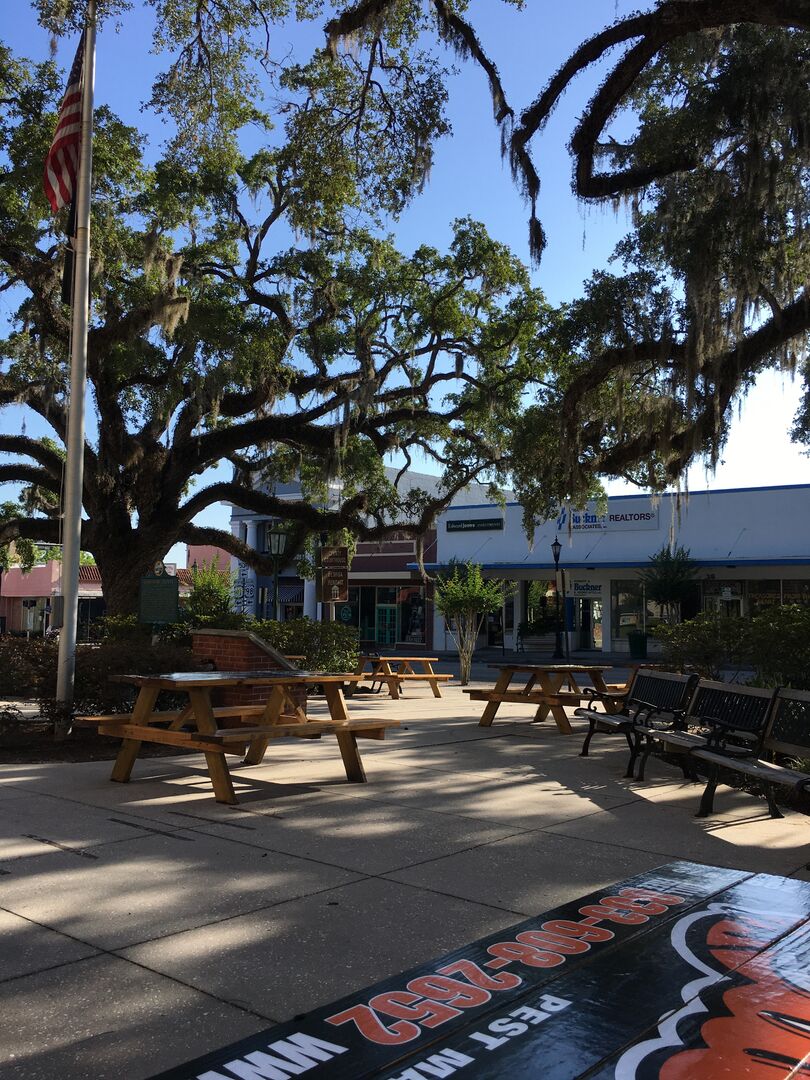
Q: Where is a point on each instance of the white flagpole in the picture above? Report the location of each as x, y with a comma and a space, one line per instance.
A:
74, 465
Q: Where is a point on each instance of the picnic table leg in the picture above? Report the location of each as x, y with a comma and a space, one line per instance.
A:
220, 778
217, 766
434, 684
391, 678
271, 715
347, 741
549, 684
130, 748
501, 685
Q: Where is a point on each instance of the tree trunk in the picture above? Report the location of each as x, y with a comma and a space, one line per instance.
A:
122, 563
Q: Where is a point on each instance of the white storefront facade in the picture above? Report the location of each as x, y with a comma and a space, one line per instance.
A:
752, 547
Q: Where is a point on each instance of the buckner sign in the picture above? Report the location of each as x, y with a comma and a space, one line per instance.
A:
645, 517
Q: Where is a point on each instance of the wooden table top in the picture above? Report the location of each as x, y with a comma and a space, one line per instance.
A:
388, 659
193, 680
552, 668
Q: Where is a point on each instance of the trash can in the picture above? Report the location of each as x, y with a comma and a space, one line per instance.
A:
637, 641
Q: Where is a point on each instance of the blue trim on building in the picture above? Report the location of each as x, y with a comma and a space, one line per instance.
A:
591, 565
664, 495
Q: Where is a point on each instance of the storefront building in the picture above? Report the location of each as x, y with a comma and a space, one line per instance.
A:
388, 603
751, 545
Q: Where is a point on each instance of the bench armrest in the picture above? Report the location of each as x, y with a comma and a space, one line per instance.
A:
647, 712
593, 695
718, 736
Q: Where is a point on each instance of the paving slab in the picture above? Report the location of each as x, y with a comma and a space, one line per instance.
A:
40, 824
740, 835
26, 947
108, 1019
305, 953
156, 885
528, 873
522, 801
364, 836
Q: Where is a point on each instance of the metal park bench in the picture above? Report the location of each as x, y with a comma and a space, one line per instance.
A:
787, 733
650, 694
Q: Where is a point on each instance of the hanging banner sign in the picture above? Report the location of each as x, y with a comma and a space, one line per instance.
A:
673, 966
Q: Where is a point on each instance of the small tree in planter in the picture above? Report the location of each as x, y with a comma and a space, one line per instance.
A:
669, 579
464, 598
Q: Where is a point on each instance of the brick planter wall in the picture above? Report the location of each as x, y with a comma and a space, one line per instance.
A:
239, 650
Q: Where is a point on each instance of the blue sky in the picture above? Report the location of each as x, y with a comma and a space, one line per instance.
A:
469, 178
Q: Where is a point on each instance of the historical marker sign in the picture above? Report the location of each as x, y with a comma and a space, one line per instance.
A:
159, 598
333, 575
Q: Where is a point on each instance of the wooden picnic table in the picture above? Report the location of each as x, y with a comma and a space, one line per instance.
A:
396, 670
197, 725
548, 686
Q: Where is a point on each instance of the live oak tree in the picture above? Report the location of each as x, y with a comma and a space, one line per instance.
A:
244, 305
699, 127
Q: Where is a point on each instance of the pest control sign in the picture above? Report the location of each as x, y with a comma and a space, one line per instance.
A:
687, 972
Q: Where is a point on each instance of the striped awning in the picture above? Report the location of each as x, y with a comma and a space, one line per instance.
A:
291, 594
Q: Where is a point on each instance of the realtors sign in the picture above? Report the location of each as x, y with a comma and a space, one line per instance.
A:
638, 515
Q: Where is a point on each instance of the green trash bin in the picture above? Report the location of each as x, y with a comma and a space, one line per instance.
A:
637, 640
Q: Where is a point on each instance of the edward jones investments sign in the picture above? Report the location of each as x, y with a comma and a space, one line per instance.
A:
642, 515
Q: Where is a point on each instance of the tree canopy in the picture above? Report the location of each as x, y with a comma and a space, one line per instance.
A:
700, 127
247, 306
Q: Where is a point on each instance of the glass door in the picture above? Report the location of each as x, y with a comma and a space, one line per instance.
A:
386, 624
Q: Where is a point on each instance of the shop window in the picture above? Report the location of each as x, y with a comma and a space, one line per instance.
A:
796, 592
627, 608
349, 613
387, 594
763, 595
411, 602
509, 613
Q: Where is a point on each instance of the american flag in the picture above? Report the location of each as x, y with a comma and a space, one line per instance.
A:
62, 162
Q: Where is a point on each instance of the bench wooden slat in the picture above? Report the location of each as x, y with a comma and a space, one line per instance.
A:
764, 770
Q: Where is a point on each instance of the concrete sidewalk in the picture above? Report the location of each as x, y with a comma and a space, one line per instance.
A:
142, 925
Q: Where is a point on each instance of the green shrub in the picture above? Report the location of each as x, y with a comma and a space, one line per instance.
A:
23, 665
211, 594
706, 644
326, 646
779, 646
120, 628
775, 645
29, 670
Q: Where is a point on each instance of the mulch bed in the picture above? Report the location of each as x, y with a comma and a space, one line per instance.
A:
31, 742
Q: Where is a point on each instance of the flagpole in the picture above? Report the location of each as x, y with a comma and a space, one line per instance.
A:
74, 465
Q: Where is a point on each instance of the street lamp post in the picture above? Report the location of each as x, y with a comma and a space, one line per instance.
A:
277, 544
556, 548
